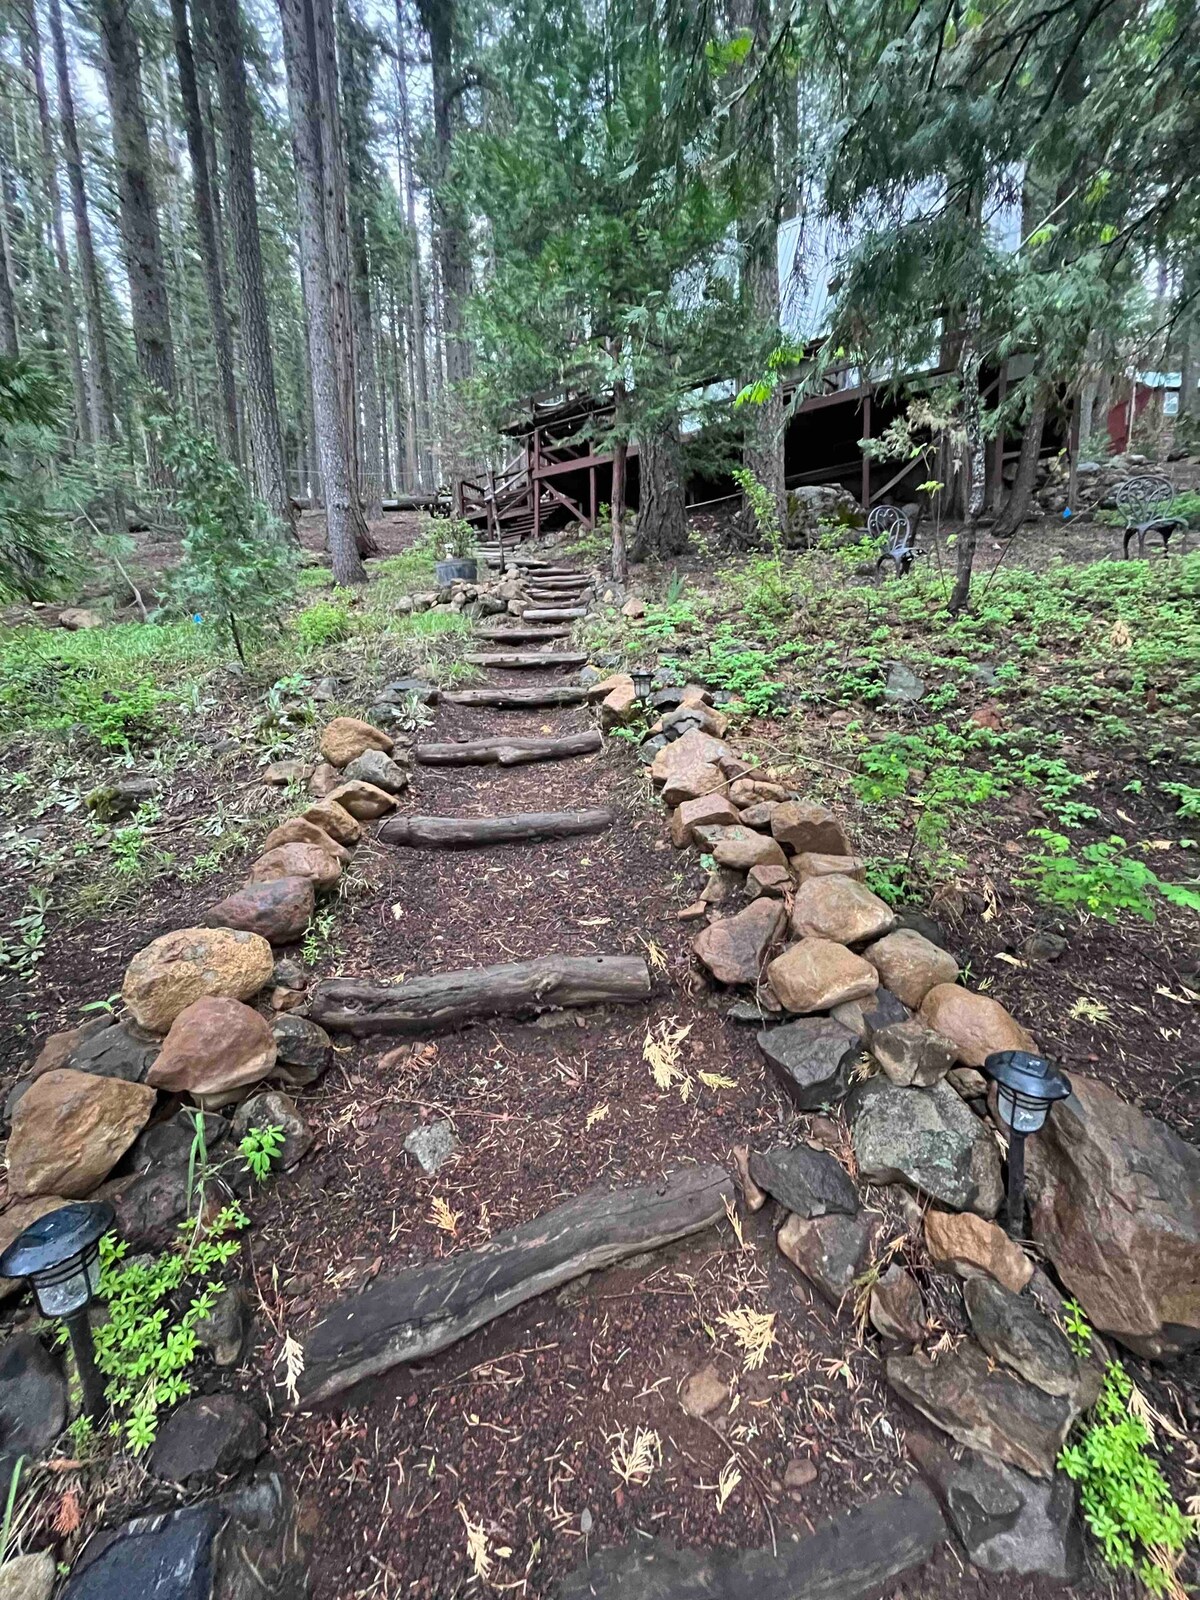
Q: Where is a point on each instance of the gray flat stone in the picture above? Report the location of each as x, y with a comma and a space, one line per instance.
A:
855, 1555
811, 1059
808, 1182
1012, 1328
432, 1145
927, 1138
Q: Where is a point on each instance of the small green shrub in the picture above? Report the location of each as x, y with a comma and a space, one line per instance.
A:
1186, 797
260, 1149
1103, 878
118, 719
324, 623
1127, 1503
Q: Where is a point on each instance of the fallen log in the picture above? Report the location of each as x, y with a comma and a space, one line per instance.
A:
518, 662
567, 614
455, 833
506, 752
455, 999
419, 1312
551, 694
519, 635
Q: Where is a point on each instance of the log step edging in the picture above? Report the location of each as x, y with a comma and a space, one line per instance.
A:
450, 1000
464, 833
422, 1311
553, 613
551, 694
520, 661
509, 752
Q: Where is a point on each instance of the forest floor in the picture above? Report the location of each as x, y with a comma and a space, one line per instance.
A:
1071, 697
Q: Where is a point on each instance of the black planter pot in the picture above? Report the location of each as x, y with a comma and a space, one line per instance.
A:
458, 569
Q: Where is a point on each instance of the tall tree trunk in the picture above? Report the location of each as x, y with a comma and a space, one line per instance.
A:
421, 430
1013, 515
763, 424
173, 205
342, 510
101, 390
258, 367
206, 229
70, 318
405, 396
969, 364
661, 528
10, 343
141, 242
451, 240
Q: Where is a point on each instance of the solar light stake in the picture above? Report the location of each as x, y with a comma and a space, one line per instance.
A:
1026, 1087
642, 678
60, 1255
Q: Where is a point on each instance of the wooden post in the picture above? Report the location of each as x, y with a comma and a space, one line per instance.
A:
866, 459
1073, 455
592, 488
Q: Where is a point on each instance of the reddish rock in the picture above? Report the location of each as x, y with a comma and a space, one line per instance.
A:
733, 949
817, 974
968, 1245
279, 910
1115, 1206
895, 1307
692, 782
704, 810
298, 830
693, 750
750, 791
812, 864
832, 1251
56, 1049
363, 800
975, 1024
739, 854
602, 689
298, 861
841, 909
619, 705
324, 780
759, 815
334, 820
754, 1197
69, 1130
280, 773
704, 1392
214, 1046
696, 912
804, 827
911, 965
347, 737
769, 878
182, 966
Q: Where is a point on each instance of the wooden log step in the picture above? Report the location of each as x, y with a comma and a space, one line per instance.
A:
518, 635
454, 999
554, 614
560, 597
509, 752
552, 580
550, 694
464, 833
419, 1312
532, 659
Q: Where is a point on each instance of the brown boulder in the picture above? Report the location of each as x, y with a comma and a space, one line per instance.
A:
691, 782
604, 687
363, 800
804, 827
817, 974
182, 966
705, 809
750, 791
911, 965
910, 1053
1115, 1204
279, 910
968, 1245
214, 1046
55, 1051
619, 705
347, 737
975, 1024
733, 949
693, 750
840, 909
69, 1130
334, 820
741, 849
298, 830
324, 780
812, 864
758, 815
832, 1250
298, 861
280, 773
769, 878
895, 1307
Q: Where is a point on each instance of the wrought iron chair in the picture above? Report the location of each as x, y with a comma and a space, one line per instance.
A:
1143, 501
901, 546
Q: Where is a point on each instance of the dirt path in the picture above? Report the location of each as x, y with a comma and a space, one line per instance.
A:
513, 1430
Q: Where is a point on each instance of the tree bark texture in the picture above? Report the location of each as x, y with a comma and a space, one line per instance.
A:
421, 1311
254, 329
342, 511
421, 412
1013, 515
458, 833
509, 752
141, 241
454, 999
451, 239
661, 528
969, 364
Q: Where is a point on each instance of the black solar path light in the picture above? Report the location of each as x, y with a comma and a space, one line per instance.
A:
60, 1255
1026, 1087
642, 679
